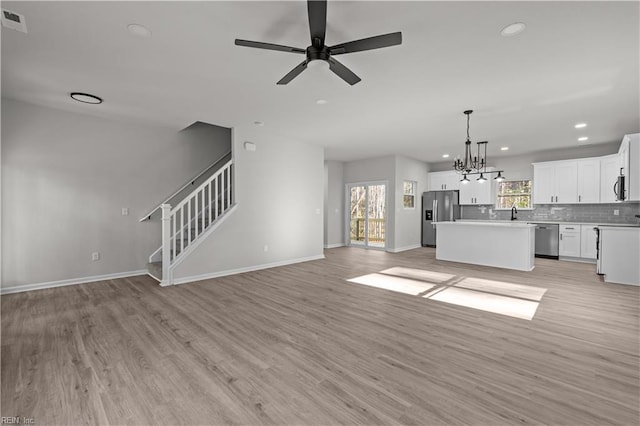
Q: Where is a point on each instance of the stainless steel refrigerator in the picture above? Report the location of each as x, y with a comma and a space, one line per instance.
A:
437, 206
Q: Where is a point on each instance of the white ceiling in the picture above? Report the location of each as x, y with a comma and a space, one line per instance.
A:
575, 62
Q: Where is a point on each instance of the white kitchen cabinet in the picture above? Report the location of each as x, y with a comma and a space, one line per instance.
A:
630, 163
478, 193
588, 183
609, 172
569, 240
587, 242
555, 182
444, 181
567, 182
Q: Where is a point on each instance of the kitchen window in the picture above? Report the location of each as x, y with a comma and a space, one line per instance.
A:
514, 192
409, 194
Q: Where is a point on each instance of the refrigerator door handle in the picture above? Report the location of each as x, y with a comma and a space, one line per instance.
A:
435, 213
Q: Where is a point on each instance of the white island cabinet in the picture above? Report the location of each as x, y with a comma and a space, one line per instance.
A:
619, 254
508, 245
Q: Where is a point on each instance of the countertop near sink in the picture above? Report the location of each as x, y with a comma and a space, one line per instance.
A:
629, 225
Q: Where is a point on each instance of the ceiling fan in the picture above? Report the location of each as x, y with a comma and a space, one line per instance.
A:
318, 51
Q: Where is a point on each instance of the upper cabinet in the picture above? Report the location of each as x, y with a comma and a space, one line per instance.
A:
477, 192
630, 164
555, 182
444, 181
609, 172
567, 182
589, 180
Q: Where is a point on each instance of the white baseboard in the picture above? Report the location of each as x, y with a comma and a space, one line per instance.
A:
398, 250
72, 281
336, 245
228, 272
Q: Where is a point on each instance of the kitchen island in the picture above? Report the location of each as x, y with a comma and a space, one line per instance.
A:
508, 245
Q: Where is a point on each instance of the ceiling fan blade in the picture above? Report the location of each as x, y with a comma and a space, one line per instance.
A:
317, 10
293, 73
343, 72
377, 42
269, 46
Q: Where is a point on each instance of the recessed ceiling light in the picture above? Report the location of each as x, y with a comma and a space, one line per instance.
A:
322, 101
85, 98
513, 29
259, 123
580, 125
504, 148
583, 138
139, 30
445, 155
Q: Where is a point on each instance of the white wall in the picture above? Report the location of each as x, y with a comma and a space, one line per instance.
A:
279, 190
408, 221
334, 212
65, 179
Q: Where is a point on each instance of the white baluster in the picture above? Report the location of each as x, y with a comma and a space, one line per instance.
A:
166, 240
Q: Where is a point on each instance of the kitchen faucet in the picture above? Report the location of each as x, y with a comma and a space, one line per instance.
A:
514, 213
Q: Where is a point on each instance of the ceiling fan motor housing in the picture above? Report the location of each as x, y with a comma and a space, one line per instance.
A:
315, 54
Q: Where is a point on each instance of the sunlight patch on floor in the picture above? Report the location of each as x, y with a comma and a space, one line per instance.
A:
418, 274
504, 305
505, 289
398, 284
504, 298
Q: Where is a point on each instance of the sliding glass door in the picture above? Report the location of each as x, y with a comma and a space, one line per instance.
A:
367, 214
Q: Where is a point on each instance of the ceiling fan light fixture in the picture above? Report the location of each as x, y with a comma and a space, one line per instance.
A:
317, 64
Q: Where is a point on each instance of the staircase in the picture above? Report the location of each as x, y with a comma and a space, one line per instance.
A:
187, 224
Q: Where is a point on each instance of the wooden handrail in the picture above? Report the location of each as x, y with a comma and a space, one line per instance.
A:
183, 187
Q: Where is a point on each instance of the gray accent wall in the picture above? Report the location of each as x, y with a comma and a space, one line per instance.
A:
334, 211
407, 221
381, 169
279, 218
403, 225
66, 178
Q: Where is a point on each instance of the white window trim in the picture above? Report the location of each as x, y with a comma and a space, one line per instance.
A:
414, 185
495, 206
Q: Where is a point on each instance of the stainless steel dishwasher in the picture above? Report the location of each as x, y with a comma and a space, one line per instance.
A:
547, 239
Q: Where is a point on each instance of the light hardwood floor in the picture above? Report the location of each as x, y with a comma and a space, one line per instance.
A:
299, 345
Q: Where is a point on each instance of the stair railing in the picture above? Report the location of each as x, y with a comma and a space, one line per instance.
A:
185, 223
186, 185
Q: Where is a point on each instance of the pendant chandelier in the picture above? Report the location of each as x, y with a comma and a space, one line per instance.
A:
474, 165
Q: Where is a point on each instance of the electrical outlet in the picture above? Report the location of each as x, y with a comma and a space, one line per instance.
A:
616, 212
266, 248
95, 256
125, 211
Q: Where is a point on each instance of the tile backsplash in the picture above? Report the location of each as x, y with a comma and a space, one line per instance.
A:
590, 213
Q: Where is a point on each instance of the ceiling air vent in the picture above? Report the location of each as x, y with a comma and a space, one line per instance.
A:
14, 20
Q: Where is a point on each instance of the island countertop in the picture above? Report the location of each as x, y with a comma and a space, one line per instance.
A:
508, 245
511, 224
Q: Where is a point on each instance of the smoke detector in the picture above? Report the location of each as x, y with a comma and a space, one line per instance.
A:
14, 20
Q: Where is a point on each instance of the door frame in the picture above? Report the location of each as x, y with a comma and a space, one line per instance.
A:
347, 222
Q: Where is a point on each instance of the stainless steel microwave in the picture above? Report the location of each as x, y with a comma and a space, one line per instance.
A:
619, 188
